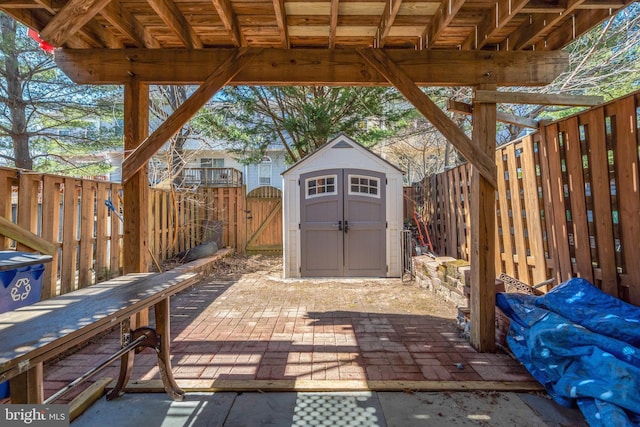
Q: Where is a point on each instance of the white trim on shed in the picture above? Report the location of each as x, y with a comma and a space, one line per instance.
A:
341, 153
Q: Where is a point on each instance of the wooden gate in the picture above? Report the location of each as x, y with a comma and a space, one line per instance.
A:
264, 220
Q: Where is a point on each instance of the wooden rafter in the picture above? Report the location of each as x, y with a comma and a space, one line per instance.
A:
391, 9
230, 22
73, 16
581, 22
333, 22
394, 74
312, 66
127, 24
175, 20
500, 15
464, 108
281, 19
216, 80
441, 19
529, 32
536, 98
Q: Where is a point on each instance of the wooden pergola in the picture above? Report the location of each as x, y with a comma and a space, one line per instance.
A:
484, 44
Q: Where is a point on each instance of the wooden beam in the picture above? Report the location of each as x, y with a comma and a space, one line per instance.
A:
312, 67
483, 234
25, 237
492, 96
440, 21
531, 30
73, 16
230, 21
136, 189
127, 24
463, 108
385, 66
87, 397
391, 9
581, 22
501, 13
281, 19
175, 20
218, 79
333, 22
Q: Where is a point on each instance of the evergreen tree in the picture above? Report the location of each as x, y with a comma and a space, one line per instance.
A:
47, 122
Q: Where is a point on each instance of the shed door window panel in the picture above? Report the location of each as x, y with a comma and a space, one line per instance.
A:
364, 186
321, 186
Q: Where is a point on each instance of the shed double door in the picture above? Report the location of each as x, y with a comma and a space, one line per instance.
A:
343, 223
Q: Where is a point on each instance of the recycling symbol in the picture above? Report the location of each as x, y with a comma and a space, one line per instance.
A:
21, 289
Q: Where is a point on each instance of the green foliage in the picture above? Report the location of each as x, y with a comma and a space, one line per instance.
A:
300, 118
47, 122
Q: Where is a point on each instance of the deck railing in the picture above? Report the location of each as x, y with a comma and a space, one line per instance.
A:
568, 202
212, 177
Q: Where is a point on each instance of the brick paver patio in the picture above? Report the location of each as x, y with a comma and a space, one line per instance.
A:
258, 326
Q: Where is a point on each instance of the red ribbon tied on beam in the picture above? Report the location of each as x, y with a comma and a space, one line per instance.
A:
43, 44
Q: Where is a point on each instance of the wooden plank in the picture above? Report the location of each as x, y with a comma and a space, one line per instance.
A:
230, 22
27, 219
303, 385
598, 160
28, 386
333, 22
440, 22
505, 223
497, 18
87, 215
136, 187
534, 221
281, 18
87, 397
518, 221
483, 244
387, 19
467, 170
69, 237
120, 17
101, 266
385, 66
312, 66
168, 11
577, 194
115, 252
37, 333
216, 80
25, 237
629, 189
51, 232
537, 98
74, 15
463, 108
273, 214
6, 178
559, 238
452, 208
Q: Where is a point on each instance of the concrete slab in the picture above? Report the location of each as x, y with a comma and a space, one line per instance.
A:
335, 409
457, 409
158, 410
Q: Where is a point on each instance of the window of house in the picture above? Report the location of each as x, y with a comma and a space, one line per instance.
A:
364, 185
211, 162
264, 172
321, 186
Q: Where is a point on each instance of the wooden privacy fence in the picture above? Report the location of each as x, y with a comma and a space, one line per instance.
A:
83, 219
568, 202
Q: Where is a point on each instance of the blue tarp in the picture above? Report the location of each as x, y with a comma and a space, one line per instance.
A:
583, 346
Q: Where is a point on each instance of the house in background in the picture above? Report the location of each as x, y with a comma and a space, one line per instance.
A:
210, 166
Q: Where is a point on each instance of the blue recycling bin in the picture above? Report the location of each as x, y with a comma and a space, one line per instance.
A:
20, 285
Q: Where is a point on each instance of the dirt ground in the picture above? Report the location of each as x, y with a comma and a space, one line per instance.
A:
351, 294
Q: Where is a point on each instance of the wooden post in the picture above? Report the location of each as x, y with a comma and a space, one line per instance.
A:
136, 190
28, 387
483, 223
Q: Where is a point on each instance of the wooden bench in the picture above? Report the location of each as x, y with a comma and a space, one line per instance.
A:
31, 335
